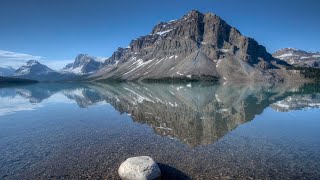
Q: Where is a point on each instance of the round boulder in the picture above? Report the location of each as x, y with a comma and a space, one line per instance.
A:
139, 168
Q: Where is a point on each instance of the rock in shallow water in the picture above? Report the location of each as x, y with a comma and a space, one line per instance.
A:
139, 168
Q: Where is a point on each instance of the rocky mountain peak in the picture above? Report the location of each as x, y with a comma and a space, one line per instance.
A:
32, 63
82, 65
193, 13
197, 30
289, 50
32, 68
81, 59
204, 36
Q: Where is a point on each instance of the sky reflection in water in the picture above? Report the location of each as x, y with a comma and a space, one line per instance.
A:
48, 127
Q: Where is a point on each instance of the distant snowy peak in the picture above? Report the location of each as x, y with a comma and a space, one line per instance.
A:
294, 51
298, 57
32, 63
32, 67
84, 64
7, 71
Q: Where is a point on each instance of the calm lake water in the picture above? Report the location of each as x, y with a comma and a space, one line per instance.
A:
193, 130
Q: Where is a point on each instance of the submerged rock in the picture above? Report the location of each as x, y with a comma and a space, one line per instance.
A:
139, 168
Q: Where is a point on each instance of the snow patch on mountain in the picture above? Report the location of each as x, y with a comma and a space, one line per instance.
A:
84, 65
163, 32
298, 57
32, 67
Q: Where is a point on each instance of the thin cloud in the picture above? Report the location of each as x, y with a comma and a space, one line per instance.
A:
16, 60
56, 64
14, 55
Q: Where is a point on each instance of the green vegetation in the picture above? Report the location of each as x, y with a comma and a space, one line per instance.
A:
308, 72
6, 80
310, 88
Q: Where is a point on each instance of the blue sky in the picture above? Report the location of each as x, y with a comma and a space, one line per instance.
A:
56, 31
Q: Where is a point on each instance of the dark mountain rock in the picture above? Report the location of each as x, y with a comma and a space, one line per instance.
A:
299, 58
192, 47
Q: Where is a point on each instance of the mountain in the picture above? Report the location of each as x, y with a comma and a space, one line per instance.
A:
37, 71
196, 47
6, 71
83, 65
299, 57
32, 67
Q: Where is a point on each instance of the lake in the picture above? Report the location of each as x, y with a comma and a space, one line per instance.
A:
192, 130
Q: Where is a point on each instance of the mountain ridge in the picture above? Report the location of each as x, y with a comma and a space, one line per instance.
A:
169, 46
7, 71
34, 70
82, 66
298, 57
32, 66
196, 47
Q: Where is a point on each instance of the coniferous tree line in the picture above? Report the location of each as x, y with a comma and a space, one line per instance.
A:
308, 72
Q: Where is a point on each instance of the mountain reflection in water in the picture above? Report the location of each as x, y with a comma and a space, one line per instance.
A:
194, 113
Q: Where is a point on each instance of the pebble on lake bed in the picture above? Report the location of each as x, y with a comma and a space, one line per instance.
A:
139, 168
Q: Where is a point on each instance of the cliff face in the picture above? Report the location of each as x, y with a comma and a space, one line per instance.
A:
196, 47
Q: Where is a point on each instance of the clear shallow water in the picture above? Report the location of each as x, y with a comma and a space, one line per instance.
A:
198, 130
